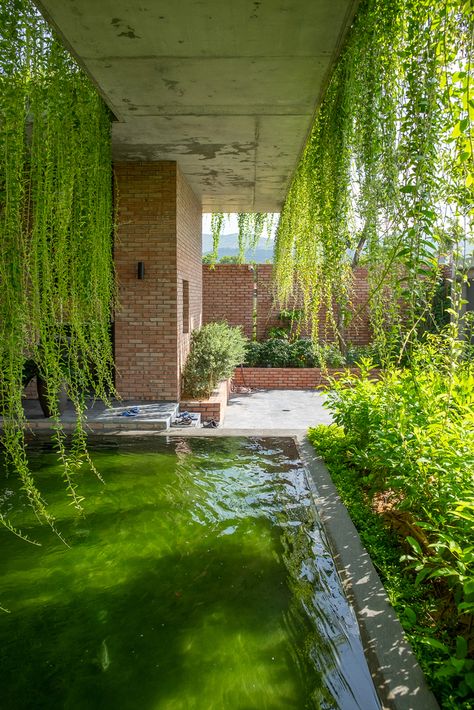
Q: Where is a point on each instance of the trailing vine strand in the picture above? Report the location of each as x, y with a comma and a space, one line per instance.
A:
56, 270
386, 176
251, 226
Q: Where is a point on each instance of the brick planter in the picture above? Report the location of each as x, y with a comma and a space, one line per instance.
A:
289, 378
212, 408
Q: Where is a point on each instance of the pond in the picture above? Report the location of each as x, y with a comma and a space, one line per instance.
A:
198, 579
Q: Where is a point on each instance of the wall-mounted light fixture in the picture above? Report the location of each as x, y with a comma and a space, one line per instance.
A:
140, 270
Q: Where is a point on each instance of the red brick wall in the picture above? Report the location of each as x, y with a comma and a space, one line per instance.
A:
292, 378
153, 227
358, 331
228, 295
212, 408
189, 260
267, 309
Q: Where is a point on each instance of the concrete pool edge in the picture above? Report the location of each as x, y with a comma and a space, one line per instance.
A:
397, 676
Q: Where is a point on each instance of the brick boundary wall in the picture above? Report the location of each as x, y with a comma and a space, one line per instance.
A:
290, 378
228, 291
227, 294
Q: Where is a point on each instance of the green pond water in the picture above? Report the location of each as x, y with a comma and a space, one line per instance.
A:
198, 579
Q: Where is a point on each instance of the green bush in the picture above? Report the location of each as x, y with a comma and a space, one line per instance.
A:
216, 349
278, 332
302, 354
410, 436
329, 355
356, 353
275, 352
279, 351
253, 354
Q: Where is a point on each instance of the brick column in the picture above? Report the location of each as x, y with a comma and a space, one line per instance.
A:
159, 223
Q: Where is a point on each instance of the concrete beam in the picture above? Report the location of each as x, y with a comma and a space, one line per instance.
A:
228, 90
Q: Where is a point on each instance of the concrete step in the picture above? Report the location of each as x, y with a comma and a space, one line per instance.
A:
143, 415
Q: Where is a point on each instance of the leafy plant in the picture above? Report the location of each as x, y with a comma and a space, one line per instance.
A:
440, 638
409, 438
291, 320
278, 332
387, 172
275, 352
303, 354
253, 354
356, 353
216, 349
329, 355
56, 270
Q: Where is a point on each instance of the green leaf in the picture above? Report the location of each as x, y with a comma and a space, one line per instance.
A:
434, 643
461, 647
414, 544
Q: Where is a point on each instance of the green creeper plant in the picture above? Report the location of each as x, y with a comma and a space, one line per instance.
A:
251, 226
386, 175
56, 269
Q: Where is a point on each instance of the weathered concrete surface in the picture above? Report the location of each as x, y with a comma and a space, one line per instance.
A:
144, 416
228, 90
276, 409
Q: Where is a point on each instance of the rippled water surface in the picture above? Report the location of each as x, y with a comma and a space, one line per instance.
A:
198, 579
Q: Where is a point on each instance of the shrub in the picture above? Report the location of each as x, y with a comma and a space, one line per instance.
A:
329, 355
276, 332
253, 354
356, 353
410, 436
216, 349
302, 354
275, 352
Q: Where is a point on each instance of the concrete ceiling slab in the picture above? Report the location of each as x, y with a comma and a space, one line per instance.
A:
229, 90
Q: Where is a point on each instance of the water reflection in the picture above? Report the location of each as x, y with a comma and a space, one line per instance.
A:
198, 579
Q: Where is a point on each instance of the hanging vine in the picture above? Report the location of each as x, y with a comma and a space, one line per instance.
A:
386, 175
56, 269
251, 226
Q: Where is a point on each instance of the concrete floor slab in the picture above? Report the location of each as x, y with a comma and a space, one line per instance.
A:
276, 409
126, 414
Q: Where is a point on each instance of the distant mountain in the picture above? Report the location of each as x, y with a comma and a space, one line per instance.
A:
228, 246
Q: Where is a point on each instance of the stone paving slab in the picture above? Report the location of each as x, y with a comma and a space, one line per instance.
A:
154, 416
276, 409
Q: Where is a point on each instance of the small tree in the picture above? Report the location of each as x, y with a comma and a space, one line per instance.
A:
216, 349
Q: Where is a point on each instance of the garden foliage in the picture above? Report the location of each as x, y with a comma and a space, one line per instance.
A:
281, 352
387, 174
56, 269
409, 439
216, 349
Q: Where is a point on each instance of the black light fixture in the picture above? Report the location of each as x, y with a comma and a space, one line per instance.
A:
140, 270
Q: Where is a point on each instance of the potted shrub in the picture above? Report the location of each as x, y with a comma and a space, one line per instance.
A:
216, 350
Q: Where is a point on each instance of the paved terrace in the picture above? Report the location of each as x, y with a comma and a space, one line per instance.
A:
284, 411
